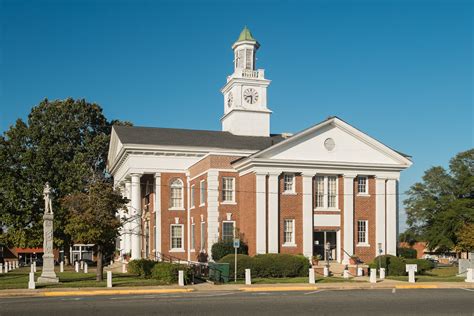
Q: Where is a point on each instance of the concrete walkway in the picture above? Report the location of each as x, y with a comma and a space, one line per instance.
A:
208, 287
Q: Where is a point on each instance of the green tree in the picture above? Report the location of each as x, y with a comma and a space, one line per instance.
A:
439, 206
93, 220
466, 237
63, 142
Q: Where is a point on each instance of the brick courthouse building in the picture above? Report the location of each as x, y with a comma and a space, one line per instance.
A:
281, 193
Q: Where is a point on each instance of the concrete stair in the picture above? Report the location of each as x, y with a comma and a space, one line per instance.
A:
335, 268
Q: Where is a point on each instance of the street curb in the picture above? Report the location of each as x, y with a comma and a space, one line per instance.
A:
114, 292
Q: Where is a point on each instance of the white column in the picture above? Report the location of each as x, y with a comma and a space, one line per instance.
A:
273, 213
136, 217
261, 213
392, 217
308, 226
212, 209
121, 214
348, 217
127, 225
379, 214
188, 217
157, 214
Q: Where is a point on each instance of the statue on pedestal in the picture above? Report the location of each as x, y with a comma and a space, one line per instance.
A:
48, 275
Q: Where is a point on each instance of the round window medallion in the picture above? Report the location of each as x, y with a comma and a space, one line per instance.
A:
329, 144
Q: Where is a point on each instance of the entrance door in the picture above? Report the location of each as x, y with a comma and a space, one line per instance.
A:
320, 239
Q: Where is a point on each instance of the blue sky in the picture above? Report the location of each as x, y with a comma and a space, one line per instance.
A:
401, 71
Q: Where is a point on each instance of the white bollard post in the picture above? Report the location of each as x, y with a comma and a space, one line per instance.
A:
382, 273
360, 272
181, 278
346, 274
312, 279
82, 265
34, 266
17, 263
109, 279
470, 275
111, 262
248, 277
76, 266
31, 283
6, 267
124, 267
373, 275
61, 266
9, 266
86, 268
411, 269
1, 268
326, 272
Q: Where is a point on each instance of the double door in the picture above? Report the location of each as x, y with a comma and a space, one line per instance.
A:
320, 239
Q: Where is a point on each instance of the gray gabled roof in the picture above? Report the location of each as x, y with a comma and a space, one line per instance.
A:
192, 138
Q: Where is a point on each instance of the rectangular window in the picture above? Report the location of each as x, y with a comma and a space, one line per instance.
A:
192, 196
289, 231
362, 185
362, 233
288, 183
319, 191
202, 192
228, 189
177, 236
203, 235
332, 191
228, 231
193, 231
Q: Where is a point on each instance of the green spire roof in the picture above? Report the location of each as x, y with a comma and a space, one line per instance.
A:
245, 35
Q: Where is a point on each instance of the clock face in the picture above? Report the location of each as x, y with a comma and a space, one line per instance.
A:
230, 99
250, 96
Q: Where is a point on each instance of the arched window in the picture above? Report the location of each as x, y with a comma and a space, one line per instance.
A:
176, 194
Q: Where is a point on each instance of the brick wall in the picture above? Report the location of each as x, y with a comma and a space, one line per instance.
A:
364, 209
199, 210
291, 207
247, 211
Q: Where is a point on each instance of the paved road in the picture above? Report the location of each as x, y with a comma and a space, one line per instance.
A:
347, 302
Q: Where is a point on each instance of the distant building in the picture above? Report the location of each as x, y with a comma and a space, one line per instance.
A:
281, 193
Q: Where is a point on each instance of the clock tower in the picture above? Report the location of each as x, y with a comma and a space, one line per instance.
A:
245, 93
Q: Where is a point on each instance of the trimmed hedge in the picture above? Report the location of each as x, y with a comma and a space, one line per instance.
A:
141, 267
396, 265
269, 265
168, 272
223, 248
407, 253
243, 262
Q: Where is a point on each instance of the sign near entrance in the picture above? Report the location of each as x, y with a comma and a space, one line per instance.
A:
411, 268
236, 243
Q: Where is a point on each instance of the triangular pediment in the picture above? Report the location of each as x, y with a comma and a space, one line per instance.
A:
334, 141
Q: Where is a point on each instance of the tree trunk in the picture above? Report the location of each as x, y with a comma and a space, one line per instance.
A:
100, 265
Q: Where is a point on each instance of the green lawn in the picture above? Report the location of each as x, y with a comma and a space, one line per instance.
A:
441, 274
18, 279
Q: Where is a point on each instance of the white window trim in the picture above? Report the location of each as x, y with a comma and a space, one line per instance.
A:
366, 243
201, 186
182, 238
192, 197
290, 244
174, 208
366, 193
192, 235
292, 191
326, 194
232, 202
233, 233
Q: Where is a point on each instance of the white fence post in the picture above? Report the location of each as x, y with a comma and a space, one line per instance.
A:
1, 268
346, 274
109, 279
326, 272
470, 275
61, 266
411, 269
76, 266
86, 268
359, 272
31, 282
382, 273
124, 267
312, 279
248, 277
373, 275
181, 278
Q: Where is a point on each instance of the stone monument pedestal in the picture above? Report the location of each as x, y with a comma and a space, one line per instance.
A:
48, 275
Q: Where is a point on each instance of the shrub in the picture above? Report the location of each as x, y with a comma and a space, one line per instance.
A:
407, 253
243, 262
168, 272
423, 265
393, 265
223, 248
280, 265
141, 267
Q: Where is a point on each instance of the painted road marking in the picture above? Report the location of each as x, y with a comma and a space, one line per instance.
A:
470, 290
72, 299
278, 289
313, 292
116, 292
419, 286
394, 291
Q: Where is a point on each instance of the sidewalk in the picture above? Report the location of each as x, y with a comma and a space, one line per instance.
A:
207, 287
